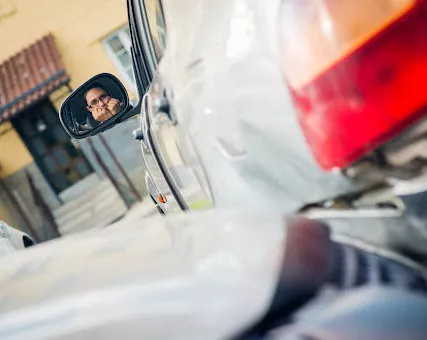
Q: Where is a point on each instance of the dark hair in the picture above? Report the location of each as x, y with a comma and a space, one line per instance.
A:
94, 86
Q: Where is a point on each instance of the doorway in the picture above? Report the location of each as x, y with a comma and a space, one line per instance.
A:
62, 164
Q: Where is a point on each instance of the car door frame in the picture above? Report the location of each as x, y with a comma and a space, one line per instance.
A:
145, 65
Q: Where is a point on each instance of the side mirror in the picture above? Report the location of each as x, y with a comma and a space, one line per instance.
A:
97, 105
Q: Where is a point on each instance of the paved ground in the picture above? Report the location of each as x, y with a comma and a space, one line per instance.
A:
142, 209
139, 211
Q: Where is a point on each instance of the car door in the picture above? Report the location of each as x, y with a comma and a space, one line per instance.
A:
157, 183
174, 154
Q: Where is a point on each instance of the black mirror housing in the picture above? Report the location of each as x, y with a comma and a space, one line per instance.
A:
95, 106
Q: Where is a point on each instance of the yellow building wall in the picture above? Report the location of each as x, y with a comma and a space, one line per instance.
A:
78, 27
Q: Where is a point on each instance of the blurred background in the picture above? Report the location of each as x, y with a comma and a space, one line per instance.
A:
51, 185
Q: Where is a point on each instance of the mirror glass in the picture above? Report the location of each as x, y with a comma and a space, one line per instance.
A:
98, 101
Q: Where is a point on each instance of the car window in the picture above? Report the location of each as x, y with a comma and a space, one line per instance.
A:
156, 25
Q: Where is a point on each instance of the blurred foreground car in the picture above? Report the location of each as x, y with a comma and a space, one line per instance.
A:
218, 126
12, 239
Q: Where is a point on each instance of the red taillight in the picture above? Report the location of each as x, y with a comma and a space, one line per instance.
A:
371, 89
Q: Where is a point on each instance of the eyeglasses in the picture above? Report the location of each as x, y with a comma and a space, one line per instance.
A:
102, 98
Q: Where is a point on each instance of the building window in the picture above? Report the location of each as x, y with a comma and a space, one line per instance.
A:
118, 46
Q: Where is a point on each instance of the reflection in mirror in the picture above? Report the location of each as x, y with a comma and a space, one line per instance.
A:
96, 102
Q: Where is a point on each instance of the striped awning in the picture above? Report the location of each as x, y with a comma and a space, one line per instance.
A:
29, 76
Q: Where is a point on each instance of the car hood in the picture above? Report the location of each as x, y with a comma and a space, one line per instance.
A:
192, 276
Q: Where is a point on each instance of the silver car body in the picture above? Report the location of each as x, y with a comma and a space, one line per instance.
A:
12, 240
234, 140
